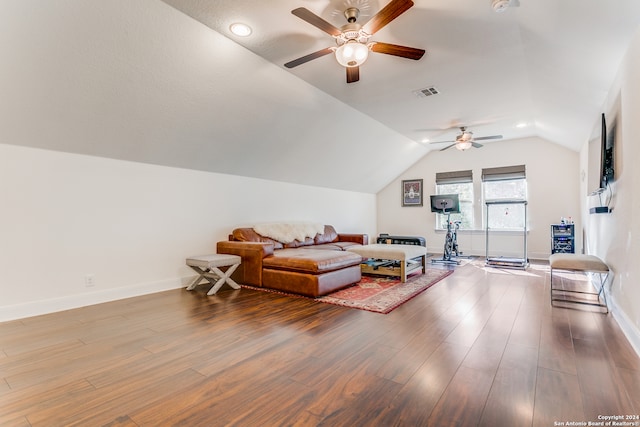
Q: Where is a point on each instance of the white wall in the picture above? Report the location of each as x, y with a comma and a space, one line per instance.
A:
141, 81
615, 237
131, 225
553, 184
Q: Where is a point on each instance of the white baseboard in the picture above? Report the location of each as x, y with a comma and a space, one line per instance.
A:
628, 328
52, 305
482, 254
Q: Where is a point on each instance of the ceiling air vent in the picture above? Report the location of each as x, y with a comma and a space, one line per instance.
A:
427, 91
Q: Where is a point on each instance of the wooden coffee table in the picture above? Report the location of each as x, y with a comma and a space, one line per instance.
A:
391, 260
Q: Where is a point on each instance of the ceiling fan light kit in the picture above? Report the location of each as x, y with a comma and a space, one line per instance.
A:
463, 145
352, 54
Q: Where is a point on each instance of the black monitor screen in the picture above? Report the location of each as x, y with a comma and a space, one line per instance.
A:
445, 203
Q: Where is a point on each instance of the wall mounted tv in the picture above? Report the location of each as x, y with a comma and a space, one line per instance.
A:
601, 166
608, 141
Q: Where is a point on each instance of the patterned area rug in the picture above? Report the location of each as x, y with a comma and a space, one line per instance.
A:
383, 294
378, 294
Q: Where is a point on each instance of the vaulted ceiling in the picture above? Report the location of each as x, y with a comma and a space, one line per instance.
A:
166, 82
539, 67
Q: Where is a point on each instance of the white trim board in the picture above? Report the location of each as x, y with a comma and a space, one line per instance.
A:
628, 328
52, 305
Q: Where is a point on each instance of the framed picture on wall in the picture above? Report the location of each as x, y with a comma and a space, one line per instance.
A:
412, 192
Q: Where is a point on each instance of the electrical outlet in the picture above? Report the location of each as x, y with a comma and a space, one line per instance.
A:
89, 280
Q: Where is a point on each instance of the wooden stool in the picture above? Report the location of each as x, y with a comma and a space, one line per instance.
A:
207, 267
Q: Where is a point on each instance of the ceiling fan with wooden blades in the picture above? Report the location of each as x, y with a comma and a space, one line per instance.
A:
352, 39
466, 140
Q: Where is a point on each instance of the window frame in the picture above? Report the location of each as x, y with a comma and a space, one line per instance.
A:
455, 178
506, 175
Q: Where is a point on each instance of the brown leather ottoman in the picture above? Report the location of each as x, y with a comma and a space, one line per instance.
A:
310, 272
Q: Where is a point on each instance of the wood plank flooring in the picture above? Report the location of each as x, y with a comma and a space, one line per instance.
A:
483, 347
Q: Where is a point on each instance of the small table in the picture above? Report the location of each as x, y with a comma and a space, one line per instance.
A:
207, 266
408, 257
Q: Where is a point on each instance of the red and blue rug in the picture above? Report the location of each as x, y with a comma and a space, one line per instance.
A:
379, 294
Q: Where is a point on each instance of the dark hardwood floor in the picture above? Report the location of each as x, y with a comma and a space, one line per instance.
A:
483, 347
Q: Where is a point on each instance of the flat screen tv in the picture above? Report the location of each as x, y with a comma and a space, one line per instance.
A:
600, 166
608, 142
445, 203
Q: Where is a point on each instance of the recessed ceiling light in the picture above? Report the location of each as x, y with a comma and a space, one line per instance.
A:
240, 29
522, 125
425, 140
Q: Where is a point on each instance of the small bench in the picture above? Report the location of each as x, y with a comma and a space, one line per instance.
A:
579, 263
409, 258
207, 266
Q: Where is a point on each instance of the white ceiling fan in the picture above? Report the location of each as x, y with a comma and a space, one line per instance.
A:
466, 140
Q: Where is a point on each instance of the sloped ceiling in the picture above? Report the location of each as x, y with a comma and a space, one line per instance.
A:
144, 81
545, 64
141, 81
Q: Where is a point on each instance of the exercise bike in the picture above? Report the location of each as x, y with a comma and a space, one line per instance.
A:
450, 244
448, 204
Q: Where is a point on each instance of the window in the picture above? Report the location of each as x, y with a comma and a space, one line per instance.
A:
505, 183
460, 183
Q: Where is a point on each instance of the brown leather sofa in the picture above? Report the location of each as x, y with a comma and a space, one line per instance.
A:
314, 267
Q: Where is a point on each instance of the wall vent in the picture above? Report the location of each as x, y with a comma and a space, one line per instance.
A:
427, 91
